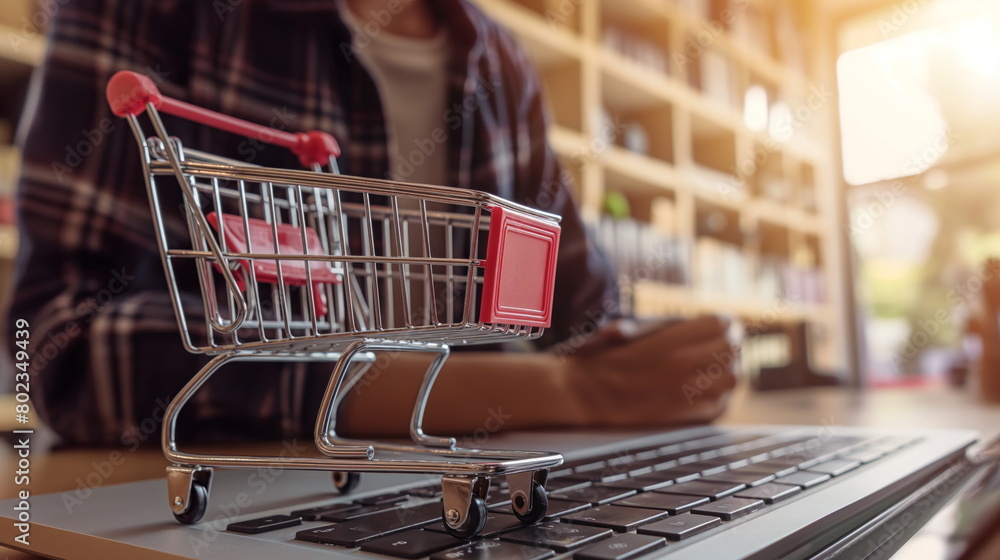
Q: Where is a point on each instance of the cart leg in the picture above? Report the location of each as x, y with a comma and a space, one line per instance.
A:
528, 498
464, 504
326, 424
188, 488
416, 420
169, 432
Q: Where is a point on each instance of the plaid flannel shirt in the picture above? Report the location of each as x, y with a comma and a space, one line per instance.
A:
106, 352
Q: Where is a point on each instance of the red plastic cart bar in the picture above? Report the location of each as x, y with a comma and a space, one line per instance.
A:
293, 272
129, 92
520, 274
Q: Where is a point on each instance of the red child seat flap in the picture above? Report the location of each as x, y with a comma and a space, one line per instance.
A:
293, 272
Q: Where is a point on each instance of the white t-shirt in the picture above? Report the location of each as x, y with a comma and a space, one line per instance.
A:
412, 79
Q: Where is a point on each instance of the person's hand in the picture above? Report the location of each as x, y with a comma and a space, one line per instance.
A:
633, 374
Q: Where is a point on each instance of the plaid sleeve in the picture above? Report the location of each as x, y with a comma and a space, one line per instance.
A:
585, 291
106, 353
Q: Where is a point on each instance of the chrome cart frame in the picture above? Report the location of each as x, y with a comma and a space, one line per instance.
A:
315, 266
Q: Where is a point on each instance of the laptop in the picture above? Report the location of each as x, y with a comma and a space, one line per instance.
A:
703, 493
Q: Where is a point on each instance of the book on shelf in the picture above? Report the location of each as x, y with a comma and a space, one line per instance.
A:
716, 78
641, 252
721, 268
778, 277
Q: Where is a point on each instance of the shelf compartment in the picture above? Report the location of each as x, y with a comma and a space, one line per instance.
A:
713, 153
713, 74
647, 132
638, 172
629, 86
562, 85
638, 31
769, 178
548, 45
642, 195
719, 223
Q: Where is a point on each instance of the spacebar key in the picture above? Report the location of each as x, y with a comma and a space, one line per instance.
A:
355, 531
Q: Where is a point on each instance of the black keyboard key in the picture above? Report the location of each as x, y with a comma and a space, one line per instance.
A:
643, 483
836, 467
705, 468
617, 518
382, 499
590, 466
771, 492
726, 462
433, 491
314, 513
561, 537
353, 532
681, 526
494, 550
772, 466
496, 524
561, 470
565, 483
594, 494
647, 454
411, 544
714, 490
865, 456
804, 479
741, 476
729, 508
559, 507
354, 513
603, 475
672, 503
677, 474
820, 455
624, 459
621, 547
264, 524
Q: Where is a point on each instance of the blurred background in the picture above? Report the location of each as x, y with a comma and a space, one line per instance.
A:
823, 171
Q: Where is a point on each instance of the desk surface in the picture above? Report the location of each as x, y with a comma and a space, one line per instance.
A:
932, 407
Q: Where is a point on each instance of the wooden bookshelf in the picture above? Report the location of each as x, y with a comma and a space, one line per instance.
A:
697, 141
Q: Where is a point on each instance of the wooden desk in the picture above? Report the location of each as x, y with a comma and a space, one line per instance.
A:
938, 407
928, 407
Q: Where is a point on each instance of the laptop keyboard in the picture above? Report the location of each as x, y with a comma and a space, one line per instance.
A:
612, 507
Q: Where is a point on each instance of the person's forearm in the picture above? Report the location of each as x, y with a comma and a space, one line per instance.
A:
475, 391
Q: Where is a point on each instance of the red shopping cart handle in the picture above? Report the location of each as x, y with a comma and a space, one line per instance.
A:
129, 92
293, 272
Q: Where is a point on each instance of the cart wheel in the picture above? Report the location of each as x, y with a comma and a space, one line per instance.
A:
344, 482
539, 505
474, 522
197, 502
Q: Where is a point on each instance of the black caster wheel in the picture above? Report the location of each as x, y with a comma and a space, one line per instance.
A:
344, 482
474, 522
539, 505
197, 502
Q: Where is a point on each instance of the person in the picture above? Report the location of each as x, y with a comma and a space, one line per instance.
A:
379, 75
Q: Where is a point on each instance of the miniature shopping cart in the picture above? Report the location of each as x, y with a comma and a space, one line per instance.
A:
313, 266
